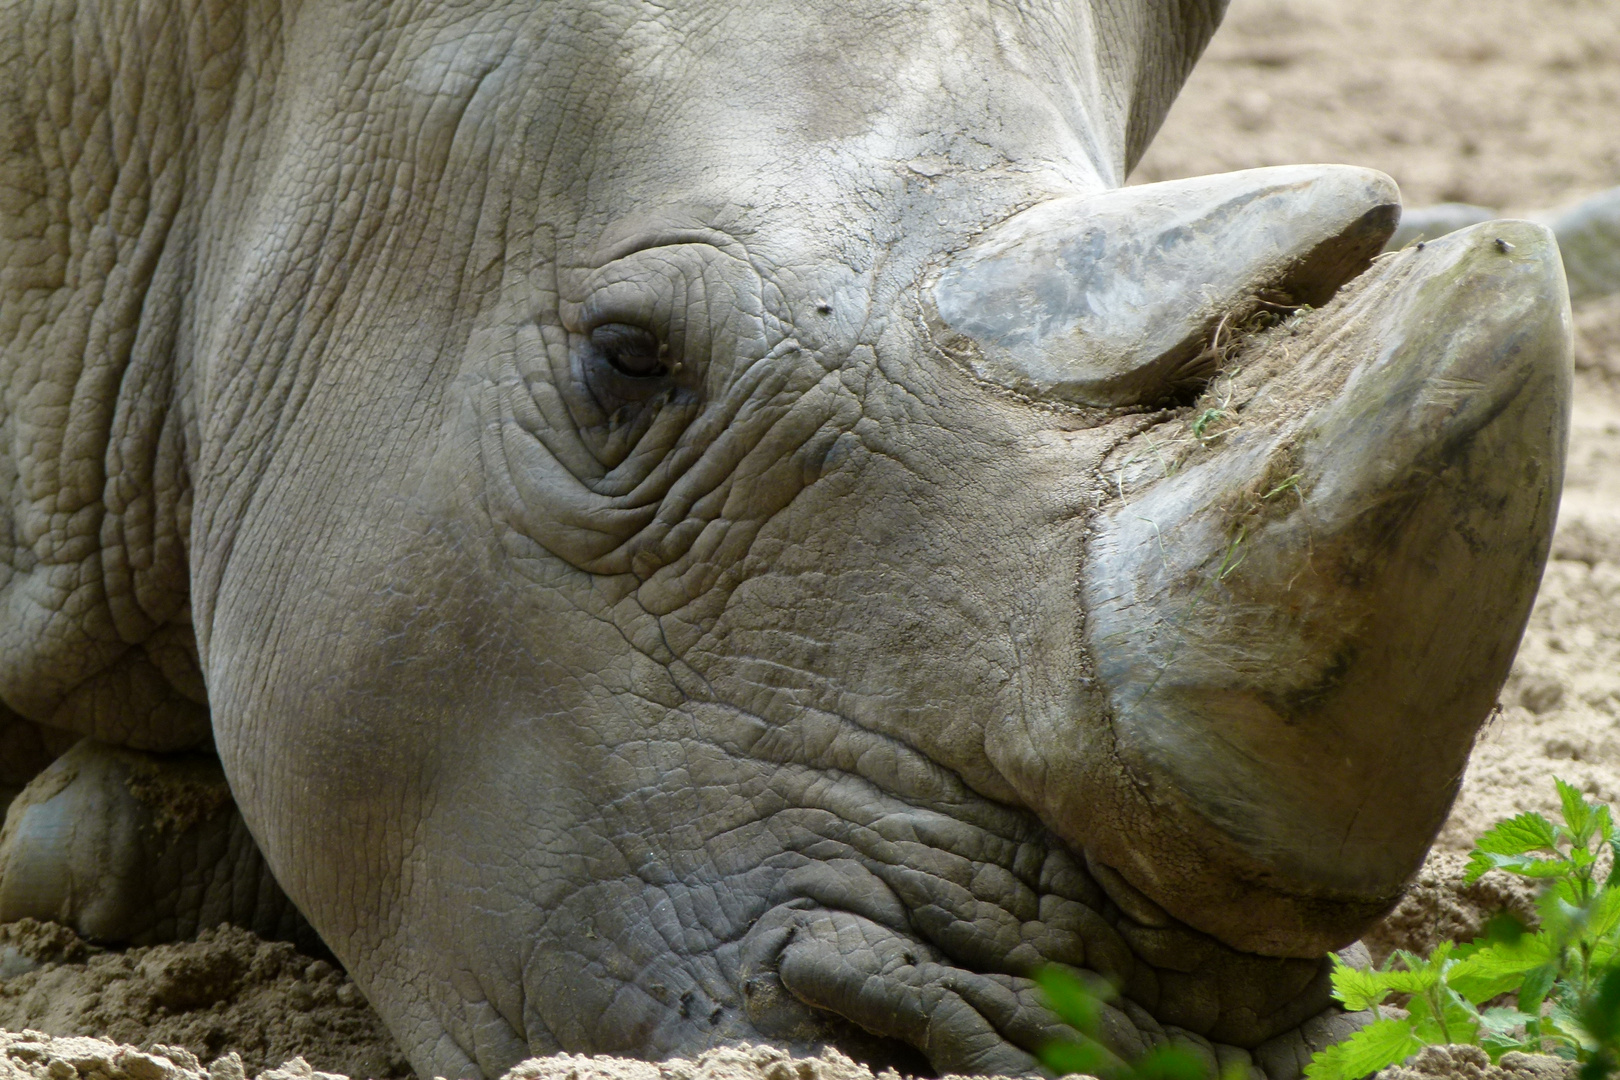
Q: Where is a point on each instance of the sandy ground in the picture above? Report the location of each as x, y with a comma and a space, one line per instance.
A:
226, 992
1507, 103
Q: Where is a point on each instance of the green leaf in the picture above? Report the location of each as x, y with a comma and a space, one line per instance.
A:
1169, 1063
1071, 1057
1500, 1019
1497, 1045
1403, 973
1502, 967
1563, 916
1379, 1044
1578, 813
1455, 1021
1505, 928
1502, 1030
1456, 1002
1576, 947
1519, 835
1601, 1066
1362, 989
1533, 991
1604, 915
1564, 1025
1079, 1004
1507, 844
1600, 1013
1530, 866
1201, 424
1411, 961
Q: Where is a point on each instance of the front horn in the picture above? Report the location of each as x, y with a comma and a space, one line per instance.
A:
1305, 605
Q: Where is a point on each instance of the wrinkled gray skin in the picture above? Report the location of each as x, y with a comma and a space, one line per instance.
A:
819, 685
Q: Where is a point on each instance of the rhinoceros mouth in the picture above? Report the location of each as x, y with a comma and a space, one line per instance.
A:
877, 958
916, 911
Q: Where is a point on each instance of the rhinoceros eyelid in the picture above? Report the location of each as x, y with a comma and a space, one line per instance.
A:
632, 351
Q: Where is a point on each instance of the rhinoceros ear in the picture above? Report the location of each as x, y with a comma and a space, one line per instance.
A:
1110, 299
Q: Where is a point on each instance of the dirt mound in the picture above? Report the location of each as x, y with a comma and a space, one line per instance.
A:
1440, 906
226, 992
727, 1063
37, 1056
34, 1055
1471, 1063
1597, 338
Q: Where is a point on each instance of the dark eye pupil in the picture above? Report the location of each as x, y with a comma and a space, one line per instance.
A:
632, 350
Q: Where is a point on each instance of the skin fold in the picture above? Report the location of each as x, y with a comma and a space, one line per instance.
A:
524, 441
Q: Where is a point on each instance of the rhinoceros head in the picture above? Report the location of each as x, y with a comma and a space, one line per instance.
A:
725, 521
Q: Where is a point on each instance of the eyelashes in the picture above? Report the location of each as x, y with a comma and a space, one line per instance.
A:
632, 351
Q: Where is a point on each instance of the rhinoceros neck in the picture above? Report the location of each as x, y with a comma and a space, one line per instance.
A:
109, 190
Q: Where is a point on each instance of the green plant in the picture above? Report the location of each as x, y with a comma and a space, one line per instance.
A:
1563, 979
1080, 1006
1201, 424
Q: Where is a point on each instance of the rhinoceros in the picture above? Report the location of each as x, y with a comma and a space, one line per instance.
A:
697, 523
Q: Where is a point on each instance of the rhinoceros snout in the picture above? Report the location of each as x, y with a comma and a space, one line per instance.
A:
1305, 601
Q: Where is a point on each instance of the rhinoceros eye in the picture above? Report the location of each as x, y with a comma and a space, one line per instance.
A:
631, 350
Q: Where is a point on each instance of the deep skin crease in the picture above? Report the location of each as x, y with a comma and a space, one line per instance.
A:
579, 708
